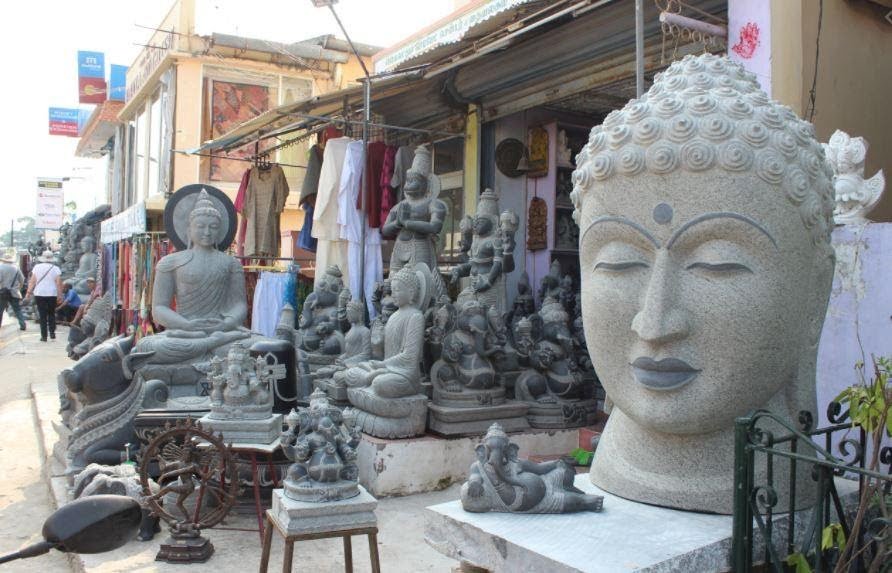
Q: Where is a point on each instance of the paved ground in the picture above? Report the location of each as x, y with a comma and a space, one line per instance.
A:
25, 498
24, 493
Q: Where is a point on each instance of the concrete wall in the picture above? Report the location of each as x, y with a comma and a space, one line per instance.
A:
854, 73
858, 323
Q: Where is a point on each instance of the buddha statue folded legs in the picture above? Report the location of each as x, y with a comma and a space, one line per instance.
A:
386, 393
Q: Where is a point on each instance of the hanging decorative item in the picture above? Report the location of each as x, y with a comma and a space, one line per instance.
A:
509, 152
193, 465
537, 225
538, 161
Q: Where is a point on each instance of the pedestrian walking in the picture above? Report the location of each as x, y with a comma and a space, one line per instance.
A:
11, 282
45, 285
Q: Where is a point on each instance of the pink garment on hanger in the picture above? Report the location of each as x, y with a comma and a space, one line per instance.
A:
239, 206
388, 197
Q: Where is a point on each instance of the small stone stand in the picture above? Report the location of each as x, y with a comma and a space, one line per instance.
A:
185, 550
304, 521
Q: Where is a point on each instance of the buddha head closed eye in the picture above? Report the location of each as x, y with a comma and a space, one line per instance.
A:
705, 212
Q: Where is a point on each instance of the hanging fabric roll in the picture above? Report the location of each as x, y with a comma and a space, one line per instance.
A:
373, 194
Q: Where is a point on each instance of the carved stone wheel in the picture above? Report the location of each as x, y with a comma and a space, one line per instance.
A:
194, 466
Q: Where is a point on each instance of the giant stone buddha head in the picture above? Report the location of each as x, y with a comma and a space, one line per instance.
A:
705, 211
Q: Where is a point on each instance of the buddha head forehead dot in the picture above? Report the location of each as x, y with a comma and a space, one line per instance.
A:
705, 212
205, 221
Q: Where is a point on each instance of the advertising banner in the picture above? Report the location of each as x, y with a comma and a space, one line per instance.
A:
50, 203
64, 121
117, 89
91, 77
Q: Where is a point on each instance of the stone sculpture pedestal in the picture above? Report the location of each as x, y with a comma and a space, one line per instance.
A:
308, 364
472, 412
388, 417
305, 517
563, 414
337, 393
630, 536
185, 550
245, 431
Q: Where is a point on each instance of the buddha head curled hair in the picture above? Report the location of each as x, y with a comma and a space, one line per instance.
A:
409, 279
707, 112
205, 207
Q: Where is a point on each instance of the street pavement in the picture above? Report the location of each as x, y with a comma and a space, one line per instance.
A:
25, 499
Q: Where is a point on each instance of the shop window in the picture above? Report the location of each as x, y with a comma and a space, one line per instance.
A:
142, 138
449, 155
154, 145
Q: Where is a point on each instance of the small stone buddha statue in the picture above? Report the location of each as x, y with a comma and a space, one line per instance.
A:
357, 349
705, 211
87, 265
386, 393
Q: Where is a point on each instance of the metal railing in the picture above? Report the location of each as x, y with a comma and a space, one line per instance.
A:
770, 459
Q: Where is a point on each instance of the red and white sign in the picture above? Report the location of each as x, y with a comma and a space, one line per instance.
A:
50, 203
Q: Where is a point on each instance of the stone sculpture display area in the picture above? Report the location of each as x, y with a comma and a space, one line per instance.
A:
77, 256
706, 210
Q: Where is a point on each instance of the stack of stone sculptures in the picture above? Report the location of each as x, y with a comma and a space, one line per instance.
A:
242, 399
199, 297
77, 256
557, 380
321, 490
499, 481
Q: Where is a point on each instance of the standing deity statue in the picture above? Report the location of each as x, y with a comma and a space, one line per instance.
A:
486, 267
417, 220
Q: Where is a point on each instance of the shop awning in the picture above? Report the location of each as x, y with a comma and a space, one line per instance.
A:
100, 128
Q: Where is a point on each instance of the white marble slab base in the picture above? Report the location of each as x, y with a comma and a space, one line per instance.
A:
625, 536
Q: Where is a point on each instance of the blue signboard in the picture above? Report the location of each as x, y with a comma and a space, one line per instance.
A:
64, 121
118, 82
90, 64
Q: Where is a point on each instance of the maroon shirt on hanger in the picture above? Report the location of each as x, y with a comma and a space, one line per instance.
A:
374, 166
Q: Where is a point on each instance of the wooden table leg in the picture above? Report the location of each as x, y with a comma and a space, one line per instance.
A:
373, 551
348, 554
267, 544
289, 555
258, 507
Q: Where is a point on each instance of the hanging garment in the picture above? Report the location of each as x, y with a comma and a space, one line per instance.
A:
401, 164
269, 298
374, 267
305, 238
388, 197
374, 167
349, 217
330, 250
264, 202
239, 208
311, 177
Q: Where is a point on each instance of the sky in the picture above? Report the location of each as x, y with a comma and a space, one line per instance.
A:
41, 39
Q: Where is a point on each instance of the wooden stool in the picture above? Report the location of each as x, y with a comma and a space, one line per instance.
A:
271, 523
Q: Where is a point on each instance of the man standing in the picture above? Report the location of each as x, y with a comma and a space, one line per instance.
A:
11, 281
45, 284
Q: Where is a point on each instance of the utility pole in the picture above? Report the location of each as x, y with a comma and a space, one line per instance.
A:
12, 232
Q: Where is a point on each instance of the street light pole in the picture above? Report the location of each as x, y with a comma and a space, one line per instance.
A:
366, 120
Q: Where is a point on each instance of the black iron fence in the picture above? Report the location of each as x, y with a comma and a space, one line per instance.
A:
779, 469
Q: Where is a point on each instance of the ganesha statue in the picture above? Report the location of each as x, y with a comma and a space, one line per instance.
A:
499, 481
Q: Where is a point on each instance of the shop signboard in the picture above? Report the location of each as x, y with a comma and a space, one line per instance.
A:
50, 203
127, 223
65, 121
117, 89
91, 77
